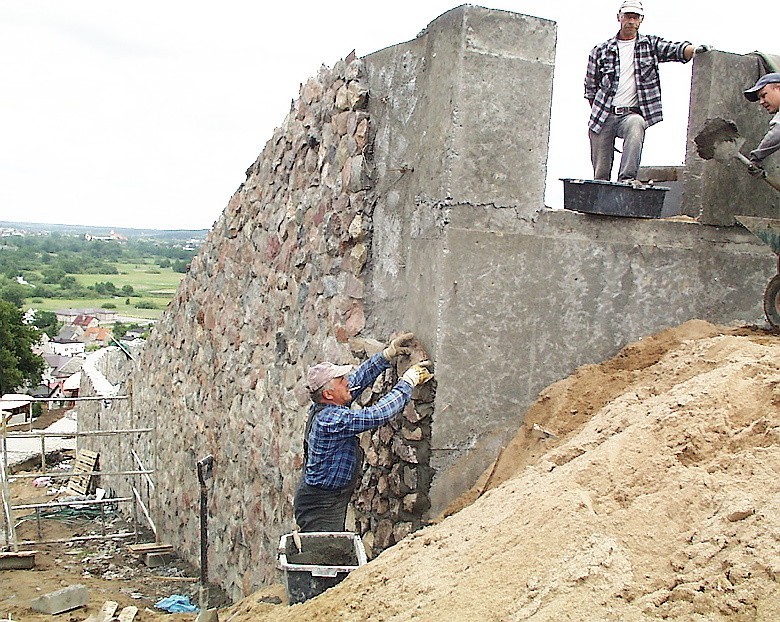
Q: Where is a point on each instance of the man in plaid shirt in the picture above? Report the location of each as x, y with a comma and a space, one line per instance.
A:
333, 460
623, 89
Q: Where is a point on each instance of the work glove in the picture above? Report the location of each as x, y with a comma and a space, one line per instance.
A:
398, 346
701, 49
418, 374
755, 169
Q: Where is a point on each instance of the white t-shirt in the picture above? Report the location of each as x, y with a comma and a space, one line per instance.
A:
626, 90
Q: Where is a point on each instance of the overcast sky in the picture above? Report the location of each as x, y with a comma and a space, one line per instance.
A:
146, 114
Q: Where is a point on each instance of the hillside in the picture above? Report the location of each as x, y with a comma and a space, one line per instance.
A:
649, 489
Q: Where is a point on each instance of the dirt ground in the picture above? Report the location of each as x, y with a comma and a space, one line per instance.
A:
640, 489
106, 568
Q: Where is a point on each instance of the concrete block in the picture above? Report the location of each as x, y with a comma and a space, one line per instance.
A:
67, 598
153, 560
21, 560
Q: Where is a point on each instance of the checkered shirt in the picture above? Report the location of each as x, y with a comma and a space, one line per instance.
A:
333, 443
601, 77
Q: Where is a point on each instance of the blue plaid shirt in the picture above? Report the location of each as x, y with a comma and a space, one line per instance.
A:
333, 442
601, 77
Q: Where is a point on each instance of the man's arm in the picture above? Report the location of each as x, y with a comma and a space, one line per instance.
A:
365, 375
672, 51
769, 143
592, 77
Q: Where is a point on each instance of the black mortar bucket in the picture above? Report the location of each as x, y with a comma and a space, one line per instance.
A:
323, 560
594, 196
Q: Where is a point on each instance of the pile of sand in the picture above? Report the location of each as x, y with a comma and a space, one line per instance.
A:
648, 488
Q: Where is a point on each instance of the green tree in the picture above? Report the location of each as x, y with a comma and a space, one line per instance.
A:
13, 292
18, 364
180, 266
46, 321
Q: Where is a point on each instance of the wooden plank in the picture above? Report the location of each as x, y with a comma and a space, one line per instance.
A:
106, 613
83, 466
127, 614
150, 547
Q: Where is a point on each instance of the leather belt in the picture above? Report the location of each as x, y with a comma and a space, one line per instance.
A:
624, 110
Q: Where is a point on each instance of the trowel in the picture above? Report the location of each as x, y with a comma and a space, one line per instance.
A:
719, 140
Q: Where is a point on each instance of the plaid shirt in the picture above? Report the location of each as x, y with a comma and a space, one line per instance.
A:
333, 443
601, 77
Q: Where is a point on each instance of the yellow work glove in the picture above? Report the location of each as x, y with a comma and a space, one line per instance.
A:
398, 346
418, 374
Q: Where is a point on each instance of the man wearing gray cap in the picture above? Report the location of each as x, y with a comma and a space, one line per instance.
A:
623, 89
333, 460
766, 91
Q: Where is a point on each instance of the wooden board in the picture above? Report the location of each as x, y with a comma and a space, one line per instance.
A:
127, 614
78, 484
106, 613
150, 547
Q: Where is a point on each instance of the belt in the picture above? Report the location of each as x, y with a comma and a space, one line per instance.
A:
624, 110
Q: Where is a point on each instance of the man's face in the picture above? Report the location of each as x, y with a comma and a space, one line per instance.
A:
338, 391
769, 98
629, 25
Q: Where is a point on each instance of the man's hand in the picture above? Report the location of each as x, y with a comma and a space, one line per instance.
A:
398, 346
701, 49
755, 169
418, 374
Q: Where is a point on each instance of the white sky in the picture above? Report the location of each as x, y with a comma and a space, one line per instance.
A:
146, 114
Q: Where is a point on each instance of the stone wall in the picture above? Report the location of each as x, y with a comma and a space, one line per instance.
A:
278, 285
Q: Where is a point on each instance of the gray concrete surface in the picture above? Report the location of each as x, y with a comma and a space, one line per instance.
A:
524, 297
461, 113
713, 192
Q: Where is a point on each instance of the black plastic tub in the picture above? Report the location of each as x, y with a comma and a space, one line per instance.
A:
324, 560
593, 196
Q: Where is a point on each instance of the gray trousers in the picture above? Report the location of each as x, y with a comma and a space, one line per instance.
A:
321, 510
631, 128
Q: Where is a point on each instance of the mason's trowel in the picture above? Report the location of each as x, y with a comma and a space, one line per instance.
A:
719, 140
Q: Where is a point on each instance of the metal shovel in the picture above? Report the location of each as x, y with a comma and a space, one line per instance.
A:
719, 140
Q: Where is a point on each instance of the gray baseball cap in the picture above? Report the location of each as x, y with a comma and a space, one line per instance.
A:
322, 373
752, 93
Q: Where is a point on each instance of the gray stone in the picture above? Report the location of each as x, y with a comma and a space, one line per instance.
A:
67, 598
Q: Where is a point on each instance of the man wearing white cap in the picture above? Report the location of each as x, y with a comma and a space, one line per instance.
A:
766, 91
623, 89
333, 460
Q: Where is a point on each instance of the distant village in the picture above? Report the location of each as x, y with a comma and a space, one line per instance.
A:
83, 332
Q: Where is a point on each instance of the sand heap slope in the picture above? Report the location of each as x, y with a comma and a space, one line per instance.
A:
658, 496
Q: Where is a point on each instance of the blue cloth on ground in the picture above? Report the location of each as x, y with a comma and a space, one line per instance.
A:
176, 603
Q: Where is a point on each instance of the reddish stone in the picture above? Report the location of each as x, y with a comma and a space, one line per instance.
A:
272, 247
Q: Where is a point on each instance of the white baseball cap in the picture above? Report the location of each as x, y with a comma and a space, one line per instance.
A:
632, 6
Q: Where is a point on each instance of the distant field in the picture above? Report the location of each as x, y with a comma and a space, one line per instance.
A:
155, 285
144, 278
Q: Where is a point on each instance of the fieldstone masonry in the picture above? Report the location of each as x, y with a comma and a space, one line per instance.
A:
396, 196
278, 286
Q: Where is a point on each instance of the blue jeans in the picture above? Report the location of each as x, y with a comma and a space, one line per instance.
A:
631, 128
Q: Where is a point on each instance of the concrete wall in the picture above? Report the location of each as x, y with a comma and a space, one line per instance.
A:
462, 113
713, 192
523, 297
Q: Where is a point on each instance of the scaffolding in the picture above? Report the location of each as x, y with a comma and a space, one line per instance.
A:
97, 504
